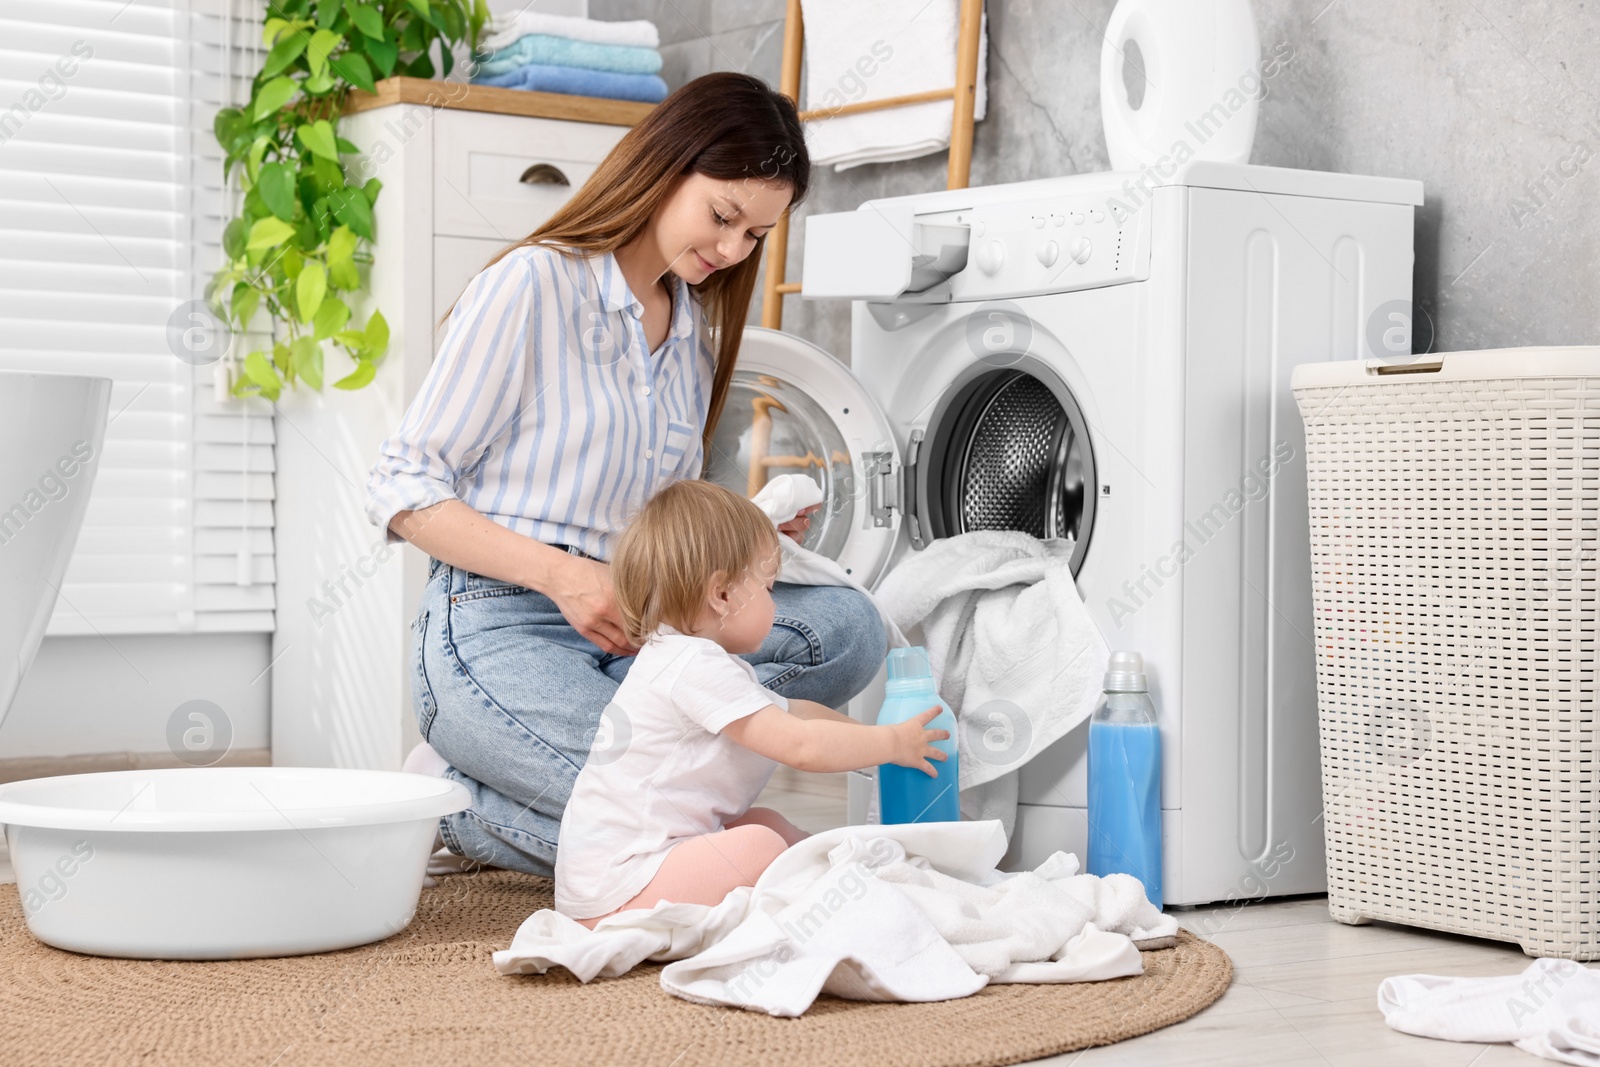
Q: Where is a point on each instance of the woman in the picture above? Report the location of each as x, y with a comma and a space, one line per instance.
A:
580, 372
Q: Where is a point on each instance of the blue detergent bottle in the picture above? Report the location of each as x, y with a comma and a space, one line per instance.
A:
907, 794
1125, 778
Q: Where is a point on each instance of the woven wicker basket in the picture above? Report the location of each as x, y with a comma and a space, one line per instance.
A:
1455, 559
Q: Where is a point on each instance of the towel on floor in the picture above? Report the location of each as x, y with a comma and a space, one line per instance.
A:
565, 52
909, 912
857, 51
1551, 1009
782, 498
1012, 646
505, 31
575, 81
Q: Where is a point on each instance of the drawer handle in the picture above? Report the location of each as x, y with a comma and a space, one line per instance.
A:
544, 174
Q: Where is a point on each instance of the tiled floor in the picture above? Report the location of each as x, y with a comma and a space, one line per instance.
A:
1303, 987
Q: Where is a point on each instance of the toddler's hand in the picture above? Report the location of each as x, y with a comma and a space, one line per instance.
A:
912, 742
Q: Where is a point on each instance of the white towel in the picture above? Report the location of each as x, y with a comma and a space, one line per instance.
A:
868, 51
910, 912
782, 498
1012, 648
639, 33
1551, 1009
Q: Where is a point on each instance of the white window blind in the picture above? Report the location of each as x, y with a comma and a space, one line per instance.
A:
111, 212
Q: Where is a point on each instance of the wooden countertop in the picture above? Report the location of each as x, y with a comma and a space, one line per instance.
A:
465, 97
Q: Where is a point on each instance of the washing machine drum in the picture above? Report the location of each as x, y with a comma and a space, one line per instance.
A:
1008, 450
1013, 463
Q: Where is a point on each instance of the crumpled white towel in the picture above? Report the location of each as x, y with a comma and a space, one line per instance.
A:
831, 915
1012, 646
782, 498
857, 51
1551, 1009
638, 33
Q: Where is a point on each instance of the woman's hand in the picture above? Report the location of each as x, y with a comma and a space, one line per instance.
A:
912, 747
587, 600
797, 526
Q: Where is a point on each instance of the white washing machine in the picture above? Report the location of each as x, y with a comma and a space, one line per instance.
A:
1090, 358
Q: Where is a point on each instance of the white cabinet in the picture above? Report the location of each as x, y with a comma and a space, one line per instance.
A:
458, 186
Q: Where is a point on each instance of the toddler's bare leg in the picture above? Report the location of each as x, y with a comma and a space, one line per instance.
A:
703, 870
773, 821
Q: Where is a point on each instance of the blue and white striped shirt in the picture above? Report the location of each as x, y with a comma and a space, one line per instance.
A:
544, 409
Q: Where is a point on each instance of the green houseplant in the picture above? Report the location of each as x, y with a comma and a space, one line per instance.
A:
303, 228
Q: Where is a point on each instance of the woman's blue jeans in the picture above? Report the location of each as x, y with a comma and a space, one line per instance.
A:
511, 696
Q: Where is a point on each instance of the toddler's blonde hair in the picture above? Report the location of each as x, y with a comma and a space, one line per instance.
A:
688, 536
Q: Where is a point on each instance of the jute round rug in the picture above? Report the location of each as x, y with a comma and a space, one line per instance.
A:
430, 995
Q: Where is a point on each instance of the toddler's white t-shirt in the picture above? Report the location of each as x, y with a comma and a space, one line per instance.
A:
664, 774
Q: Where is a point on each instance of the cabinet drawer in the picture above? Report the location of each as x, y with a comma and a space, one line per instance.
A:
487, 170
456, 260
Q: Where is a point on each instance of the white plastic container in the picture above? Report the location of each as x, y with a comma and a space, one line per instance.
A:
1200, 64
205, 863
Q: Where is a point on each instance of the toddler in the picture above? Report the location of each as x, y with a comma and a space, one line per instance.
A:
661, 810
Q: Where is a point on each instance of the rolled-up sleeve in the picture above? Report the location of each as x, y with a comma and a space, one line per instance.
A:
469, 397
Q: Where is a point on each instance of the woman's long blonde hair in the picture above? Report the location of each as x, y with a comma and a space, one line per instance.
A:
727, 126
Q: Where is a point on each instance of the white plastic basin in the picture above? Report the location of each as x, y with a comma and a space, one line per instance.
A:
205, 863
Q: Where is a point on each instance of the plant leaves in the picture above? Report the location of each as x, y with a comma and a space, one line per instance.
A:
277, 189
327, 12
370, 189
271, 97
383, 54
323, 42
305, 356
344, 275
331, 317
421, 67
328, 174
318, 84
377, 333
421, 6
366, 19
269, 232
353, 69
226, 125
246, 298
309, 289
351, 208
233, 237
259, 371
271, 28
357, 378
280, 357
317, 138
341, 245
286, 51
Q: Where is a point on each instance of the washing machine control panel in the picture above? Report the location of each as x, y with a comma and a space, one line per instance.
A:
1030, 248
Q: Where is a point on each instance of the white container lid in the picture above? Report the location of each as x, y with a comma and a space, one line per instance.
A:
1554, 361
187, 799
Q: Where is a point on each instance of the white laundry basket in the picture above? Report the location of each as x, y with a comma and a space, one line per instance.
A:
1455, 533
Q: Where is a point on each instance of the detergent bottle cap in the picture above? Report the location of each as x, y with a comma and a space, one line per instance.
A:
1125, 673
909, 667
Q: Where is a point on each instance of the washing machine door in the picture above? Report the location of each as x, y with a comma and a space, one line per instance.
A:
793, 408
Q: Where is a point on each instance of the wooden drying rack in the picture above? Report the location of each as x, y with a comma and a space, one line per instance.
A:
964, 94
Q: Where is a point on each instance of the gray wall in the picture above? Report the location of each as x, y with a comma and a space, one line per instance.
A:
1495, 106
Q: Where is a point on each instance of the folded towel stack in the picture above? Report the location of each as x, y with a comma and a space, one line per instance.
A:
577, 56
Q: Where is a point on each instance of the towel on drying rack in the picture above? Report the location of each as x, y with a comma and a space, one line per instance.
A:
575, 81
566, 52
857, 52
